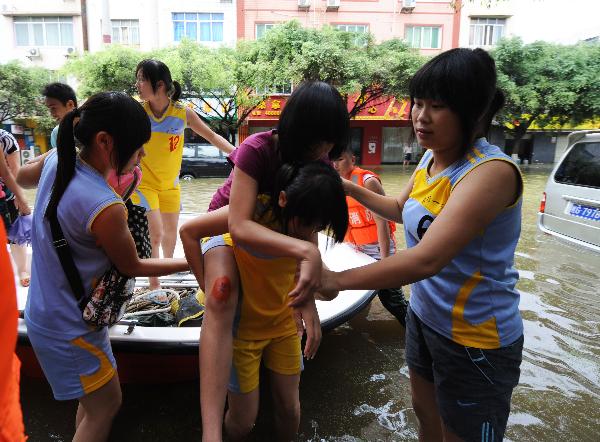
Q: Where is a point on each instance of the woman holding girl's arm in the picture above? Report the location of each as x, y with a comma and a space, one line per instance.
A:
462, 217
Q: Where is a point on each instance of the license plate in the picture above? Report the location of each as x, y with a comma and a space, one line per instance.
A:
581, 211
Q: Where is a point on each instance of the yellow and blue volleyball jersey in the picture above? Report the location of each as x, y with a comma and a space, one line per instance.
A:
473, 300
164, 150
265, 282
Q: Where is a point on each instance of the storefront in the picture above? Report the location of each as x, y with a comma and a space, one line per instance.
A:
378, 134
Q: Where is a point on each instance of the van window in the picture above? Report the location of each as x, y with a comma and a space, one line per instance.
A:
581, 167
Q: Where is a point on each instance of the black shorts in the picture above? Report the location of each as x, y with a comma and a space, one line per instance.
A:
407, 156
473, 386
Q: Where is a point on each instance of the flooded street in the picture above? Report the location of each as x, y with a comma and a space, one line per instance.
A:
357, 388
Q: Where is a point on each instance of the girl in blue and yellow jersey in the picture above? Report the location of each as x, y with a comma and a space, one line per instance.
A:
159, 192
111, 129
461, 212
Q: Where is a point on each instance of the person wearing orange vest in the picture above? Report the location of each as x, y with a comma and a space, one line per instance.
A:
370, 234
11, 417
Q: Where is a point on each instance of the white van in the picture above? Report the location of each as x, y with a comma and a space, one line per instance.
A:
570, 206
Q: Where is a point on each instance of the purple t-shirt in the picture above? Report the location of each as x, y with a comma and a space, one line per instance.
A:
257, 156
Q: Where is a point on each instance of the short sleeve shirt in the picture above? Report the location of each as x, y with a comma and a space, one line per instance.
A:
8, 142
257, 156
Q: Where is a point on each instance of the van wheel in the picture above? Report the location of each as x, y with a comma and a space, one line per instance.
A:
187, 177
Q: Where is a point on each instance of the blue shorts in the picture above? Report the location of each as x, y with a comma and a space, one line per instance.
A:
75, 367
210, 242
473, 386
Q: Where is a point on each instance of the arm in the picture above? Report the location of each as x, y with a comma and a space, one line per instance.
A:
112, 234
386, 207
11, 183
29, 174
245, 231
383, 228
468, 211
191, 232
198, 126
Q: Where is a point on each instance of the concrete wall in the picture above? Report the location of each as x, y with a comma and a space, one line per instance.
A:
50, 57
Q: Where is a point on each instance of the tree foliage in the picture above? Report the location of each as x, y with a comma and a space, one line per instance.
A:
547, 83
20, 89
112, 69
353, 64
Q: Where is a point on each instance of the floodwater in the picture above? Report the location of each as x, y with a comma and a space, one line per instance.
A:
357, 388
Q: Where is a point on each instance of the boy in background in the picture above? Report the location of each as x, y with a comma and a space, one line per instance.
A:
370, 234
60, 99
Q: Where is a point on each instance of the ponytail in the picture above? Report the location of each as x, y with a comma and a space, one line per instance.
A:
115, 113
176, 91
65, 169
155, 71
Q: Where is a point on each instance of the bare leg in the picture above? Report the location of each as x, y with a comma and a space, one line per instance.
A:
286, 403
155, 227
96, 412
216, 342
19, 255
169, 238
426, 408
241, 414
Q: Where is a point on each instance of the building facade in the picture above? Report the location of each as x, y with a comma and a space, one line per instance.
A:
47, 33
431, 26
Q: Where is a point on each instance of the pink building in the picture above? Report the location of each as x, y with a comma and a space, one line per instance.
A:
432, 26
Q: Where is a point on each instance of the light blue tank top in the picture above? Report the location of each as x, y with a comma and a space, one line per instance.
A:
473, 300
51, 307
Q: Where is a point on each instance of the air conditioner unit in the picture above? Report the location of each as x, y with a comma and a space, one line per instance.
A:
408, 5
27, 155
33, 53
303, 4
333, 4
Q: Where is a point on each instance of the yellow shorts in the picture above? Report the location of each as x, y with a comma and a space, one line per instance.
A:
167, 201
281, 355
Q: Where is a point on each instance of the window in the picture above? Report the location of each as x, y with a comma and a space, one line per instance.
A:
486, 31
581, 167
261, 28
44, 31
424, 37
361, 31
202, 26
126, 32
282, 89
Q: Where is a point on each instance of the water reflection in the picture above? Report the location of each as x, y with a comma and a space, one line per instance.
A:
357, 388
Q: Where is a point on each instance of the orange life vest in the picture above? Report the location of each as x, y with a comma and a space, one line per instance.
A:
361, 221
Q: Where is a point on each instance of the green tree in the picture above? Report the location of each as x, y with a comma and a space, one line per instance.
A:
547, 84
112, 69
215, 81
20, 91
289, 52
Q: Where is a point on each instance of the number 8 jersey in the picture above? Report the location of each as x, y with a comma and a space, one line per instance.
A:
472, 300
164, 151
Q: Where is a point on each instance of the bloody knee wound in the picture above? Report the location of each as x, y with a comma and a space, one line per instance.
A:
221, 289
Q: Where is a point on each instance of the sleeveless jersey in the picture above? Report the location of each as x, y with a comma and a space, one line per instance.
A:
473, 300
164, 151
361, 221
51, 307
